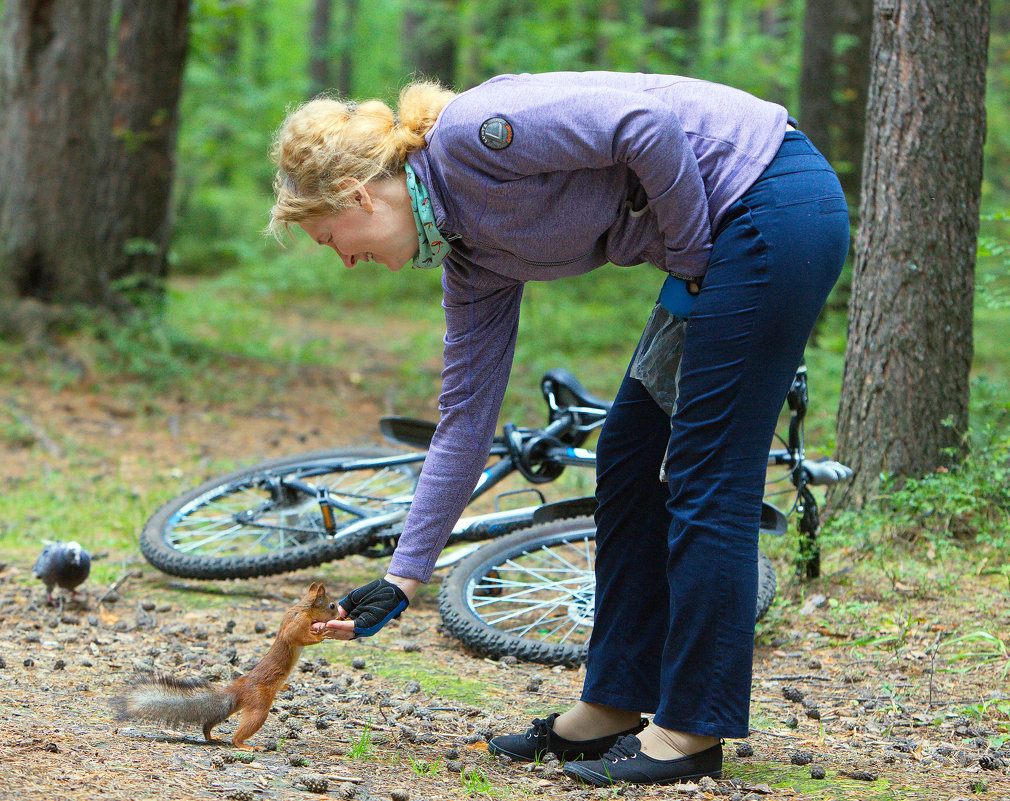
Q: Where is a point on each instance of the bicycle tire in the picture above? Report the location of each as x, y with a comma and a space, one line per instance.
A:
243, 548
469, 613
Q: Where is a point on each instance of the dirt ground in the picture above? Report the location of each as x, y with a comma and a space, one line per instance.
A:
407, 714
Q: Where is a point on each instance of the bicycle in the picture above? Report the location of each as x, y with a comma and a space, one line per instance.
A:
528, 593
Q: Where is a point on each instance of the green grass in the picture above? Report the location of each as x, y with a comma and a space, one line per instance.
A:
589, 324
424, 768
403, 668
361, 746
831, 788
476, 782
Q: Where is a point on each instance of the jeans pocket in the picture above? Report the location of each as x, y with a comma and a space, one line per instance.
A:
832, 205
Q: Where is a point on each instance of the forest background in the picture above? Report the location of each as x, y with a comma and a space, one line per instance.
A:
257, 350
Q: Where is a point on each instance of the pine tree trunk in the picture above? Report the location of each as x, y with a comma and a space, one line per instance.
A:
152, 44
905, 388
817, 106
319, 47
855, 23
86, 147
680, 15
429, 39
348, 52
53, 75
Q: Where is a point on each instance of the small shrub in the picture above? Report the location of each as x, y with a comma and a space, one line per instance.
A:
969, 502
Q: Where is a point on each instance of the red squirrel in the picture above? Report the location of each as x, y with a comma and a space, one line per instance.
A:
175, 701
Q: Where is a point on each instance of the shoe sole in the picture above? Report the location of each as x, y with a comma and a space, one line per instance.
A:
497, 750
598, 780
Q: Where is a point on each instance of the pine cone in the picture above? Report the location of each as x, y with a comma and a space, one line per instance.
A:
315, 784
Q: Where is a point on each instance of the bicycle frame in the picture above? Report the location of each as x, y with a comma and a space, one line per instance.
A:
541, 454
299, 510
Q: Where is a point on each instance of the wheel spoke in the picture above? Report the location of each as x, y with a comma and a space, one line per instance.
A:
260, 513
544, 593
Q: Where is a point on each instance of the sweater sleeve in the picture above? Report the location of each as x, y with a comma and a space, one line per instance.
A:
564, 128
482, 320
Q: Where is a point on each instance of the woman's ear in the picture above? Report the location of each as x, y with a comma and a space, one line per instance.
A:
363, 200
360, 196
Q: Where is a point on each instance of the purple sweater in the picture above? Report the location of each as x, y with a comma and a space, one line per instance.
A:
564, 197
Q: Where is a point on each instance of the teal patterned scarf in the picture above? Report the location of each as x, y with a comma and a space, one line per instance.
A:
431, 245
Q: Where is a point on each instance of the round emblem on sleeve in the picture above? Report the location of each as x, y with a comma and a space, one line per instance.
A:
496, 133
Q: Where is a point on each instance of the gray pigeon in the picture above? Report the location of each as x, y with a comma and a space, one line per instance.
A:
66, 564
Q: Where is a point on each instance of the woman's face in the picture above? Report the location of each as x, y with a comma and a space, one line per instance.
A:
375, 228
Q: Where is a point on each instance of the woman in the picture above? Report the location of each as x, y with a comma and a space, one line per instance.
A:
535, 177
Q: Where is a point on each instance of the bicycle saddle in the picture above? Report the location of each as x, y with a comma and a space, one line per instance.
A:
568, 391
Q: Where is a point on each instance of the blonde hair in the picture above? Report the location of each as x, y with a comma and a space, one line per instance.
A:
325, 141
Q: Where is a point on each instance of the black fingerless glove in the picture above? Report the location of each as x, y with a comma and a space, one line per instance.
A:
372, 606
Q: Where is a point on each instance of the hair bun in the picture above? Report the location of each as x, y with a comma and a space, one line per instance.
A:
325, 141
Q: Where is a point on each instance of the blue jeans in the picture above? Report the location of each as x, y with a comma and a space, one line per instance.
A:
676, 564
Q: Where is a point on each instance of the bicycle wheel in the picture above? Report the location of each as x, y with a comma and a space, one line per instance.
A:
266, 518
531, 594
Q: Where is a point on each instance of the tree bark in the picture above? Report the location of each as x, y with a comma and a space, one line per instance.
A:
906, 383
86, 147
854, 19
817, 106
53, 74
151, 53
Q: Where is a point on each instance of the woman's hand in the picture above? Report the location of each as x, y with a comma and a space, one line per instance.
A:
408, 585
365, 610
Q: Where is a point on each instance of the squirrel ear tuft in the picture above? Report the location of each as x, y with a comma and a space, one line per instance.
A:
313, 588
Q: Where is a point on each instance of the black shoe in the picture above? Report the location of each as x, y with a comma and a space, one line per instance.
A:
540, 739
625, 762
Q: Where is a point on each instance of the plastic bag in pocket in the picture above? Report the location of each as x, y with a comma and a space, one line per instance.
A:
657, 360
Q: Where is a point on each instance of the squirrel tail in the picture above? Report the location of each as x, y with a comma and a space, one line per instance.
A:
175, 702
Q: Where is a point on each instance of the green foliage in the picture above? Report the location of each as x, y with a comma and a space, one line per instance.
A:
992, 290
140, 344
996, 184
248, 64
969, 503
